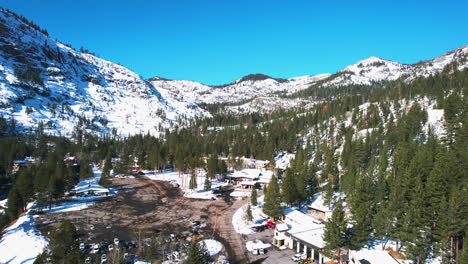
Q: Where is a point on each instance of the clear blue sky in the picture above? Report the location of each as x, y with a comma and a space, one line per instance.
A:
217, 41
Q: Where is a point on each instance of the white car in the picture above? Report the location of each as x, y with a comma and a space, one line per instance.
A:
95, 249
116, 241
82, 246
297, 257
111, 247
103, 258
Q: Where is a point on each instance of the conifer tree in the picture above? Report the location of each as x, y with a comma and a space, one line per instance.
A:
24, 185
207, 185
362, 208
193, 181
288, 187
253, 197
248, 213
336, 234
197, 254
15, 203
272, 205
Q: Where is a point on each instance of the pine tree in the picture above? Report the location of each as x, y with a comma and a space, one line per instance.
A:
336, 234
85, 170
207, 185
362, 208
15, 203
288, 187
64, 244
248, 213
272, 205
253, 197
197, 254
193, 181
24, 184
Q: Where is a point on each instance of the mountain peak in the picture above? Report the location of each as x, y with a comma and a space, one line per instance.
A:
258, 77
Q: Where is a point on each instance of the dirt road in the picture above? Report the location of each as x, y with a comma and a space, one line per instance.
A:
235, 246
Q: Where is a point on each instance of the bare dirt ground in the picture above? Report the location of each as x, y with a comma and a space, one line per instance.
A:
228, 236
143, 208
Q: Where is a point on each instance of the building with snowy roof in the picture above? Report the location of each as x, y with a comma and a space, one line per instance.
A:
319, 209
300, 232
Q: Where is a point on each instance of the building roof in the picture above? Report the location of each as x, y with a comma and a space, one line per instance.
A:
305, 227
282, 227
319, 204
89, 185
372, 256
247, 173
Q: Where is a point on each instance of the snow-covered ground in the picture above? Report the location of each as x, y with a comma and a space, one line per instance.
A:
183, 181
256, 244
213, 247
3, 205
241, 225
240, 193
22, 242
283, 159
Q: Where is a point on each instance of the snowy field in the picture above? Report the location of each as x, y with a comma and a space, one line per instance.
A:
183, 180
22, 242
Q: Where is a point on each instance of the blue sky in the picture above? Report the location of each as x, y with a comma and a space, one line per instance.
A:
217, 41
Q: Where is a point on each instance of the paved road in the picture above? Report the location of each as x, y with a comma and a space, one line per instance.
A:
273, 254
233, 241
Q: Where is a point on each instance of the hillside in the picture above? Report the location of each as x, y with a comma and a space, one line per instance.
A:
242, 89
44, 80
259, 92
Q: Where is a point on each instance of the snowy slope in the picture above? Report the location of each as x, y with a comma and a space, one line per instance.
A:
42, 79
375, 69
245, 88
258, 92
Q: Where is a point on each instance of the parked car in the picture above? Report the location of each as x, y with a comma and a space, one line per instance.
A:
87, 260
111, 247
298, 257
259, 228
195, 223
95, 249
116, 241
82, 246
271, 224
103, 258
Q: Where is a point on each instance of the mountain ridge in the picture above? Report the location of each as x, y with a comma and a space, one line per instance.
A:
44, 80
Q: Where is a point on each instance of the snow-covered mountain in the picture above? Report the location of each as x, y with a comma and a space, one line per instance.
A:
44, 80
258, 92
375, 69
243, 89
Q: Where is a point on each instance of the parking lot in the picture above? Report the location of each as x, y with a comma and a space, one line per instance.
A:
273, 255
151, 221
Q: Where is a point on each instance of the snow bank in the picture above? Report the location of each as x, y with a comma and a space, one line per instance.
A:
213, 247
256, 244
206, 195
240, 193
22, 242
241, 225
